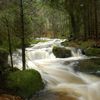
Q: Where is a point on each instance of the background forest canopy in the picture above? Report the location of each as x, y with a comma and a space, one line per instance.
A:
50, 18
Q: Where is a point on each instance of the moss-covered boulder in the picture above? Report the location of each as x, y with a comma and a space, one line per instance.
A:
60, 52
90, 47
24, 83
91, 66
92, 52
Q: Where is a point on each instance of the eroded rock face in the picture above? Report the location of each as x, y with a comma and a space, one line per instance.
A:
9, 97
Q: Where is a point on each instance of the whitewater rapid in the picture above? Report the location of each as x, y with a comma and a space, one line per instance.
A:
58, 73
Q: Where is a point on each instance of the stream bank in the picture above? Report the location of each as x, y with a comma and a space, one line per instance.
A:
90, 47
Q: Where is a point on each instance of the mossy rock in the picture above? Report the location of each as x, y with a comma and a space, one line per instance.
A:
24, 83
60, 52
88, 46
89, 65
93, 52
70, 44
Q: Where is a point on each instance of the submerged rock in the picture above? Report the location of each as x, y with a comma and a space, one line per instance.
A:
24, 83
90, 66
60, 52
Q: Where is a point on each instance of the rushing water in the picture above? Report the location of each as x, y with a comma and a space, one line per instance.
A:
63, 82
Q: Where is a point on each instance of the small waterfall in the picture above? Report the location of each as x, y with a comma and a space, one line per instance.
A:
59, 74
76, 52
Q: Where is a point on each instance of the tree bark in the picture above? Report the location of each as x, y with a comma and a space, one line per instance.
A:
23, 35
9, 43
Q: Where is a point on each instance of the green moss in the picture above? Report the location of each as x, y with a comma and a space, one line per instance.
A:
79, 44
24, 83
75, 44
61, 52
87, 46
93, 52
90, 65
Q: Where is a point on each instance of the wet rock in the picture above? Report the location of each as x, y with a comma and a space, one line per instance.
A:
60, 52
90, 66
83, 51
92, 52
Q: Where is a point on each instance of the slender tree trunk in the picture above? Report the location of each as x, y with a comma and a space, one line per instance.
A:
73, 25
88, 19
95, 11
23, 35
84, 14
9, 42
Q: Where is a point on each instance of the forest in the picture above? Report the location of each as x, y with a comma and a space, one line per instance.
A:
36, 36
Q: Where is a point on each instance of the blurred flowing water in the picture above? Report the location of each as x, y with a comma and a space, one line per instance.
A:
62, 81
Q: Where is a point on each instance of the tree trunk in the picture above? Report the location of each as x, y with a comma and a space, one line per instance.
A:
73, 25
9, 43
23, 35
95, 12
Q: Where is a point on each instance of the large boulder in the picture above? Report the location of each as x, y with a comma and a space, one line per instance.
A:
92, 52
90, 66
60, 52
24, 83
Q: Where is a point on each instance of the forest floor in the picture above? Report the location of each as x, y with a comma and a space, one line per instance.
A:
4, 95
